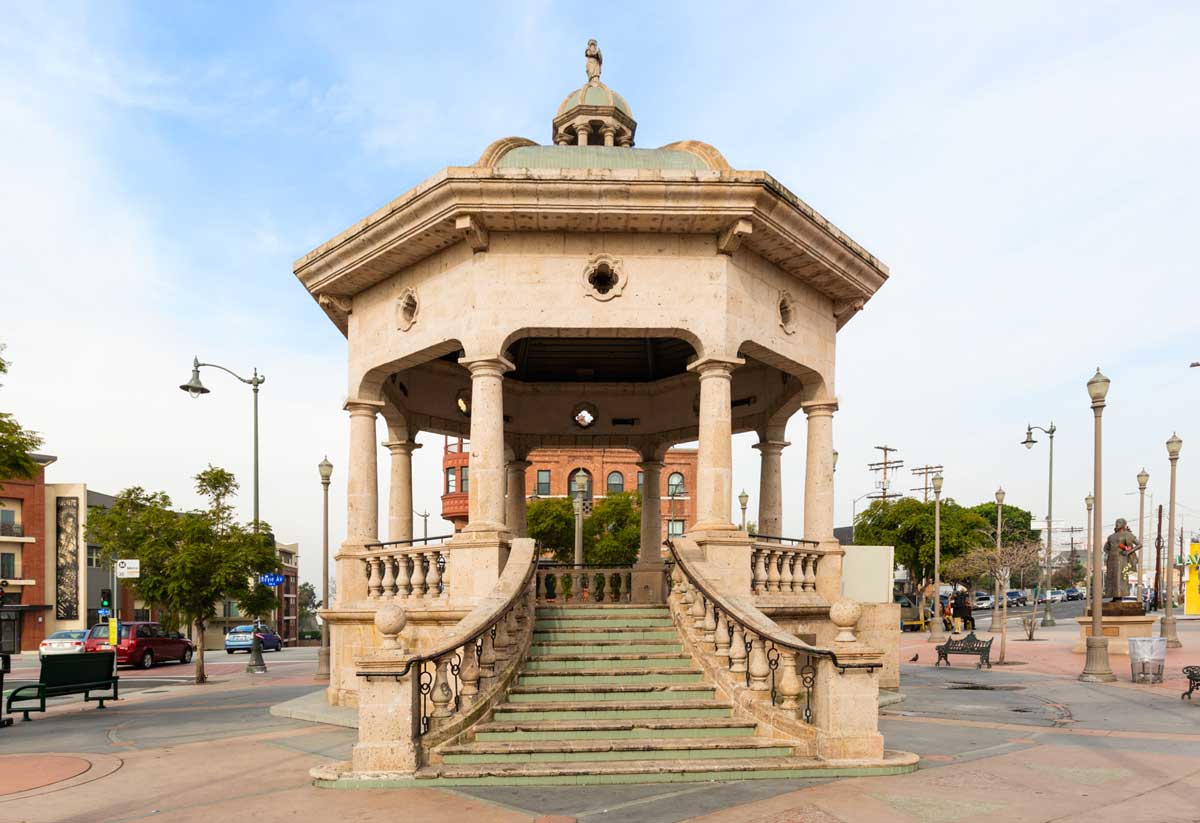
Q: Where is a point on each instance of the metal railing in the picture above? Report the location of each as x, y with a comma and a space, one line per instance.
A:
12, 530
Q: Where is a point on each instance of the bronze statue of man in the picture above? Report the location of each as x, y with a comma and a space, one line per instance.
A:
1117, 549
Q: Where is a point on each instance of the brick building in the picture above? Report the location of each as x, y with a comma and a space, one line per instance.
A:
552, 472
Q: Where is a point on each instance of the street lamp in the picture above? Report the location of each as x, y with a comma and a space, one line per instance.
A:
996, 582
1097, 668
577, 503
1047, 615
1167, 627
325, 468
938, 631
743, 499
195, 388
1143, 478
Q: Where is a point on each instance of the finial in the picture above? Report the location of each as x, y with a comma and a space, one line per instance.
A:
595, 60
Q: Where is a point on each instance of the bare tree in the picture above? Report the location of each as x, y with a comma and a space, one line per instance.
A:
997, 563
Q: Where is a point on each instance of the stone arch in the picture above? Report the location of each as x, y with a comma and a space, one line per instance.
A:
370, 384
623, 332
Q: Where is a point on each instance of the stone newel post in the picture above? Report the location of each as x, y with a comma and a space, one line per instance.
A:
715, 460
485, 498
847, 703
818, 496
400, 508
770, 486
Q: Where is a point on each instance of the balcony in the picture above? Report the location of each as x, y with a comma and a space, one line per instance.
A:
11, 530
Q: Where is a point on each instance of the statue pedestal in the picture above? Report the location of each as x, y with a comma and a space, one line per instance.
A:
1118, 630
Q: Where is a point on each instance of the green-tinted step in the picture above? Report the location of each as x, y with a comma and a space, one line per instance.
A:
597, 712
600, 623
602, 611
539, 649
603, 697
608, 756
608, 678
634, 664
667, 635
629, 733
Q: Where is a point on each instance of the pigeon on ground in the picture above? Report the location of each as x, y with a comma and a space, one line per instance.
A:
914, 657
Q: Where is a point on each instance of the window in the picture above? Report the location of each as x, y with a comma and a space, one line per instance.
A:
543, 483
451, 481
464, 477
616, 483
8, 520
675, 485
674, 528
641, 482
141, 614
93, 557
8, 565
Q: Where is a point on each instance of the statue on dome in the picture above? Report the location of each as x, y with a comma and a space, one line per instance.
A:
594, 61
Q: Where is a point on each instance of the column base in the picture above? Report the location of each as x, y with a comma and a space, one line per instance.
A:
323, 663
647, 583
1096, 668
726, 558
1167, 628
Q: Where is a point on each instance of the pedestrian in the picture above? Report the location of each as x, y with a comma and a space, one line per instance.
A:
962, 610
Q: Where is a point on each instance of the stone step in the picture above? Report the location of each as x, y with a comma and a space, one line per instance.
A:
607, 676
599, 692
612, 662
596, 751
668, 727
614, 710
623, 610
580, 635
655, 771
616, 622
602, 648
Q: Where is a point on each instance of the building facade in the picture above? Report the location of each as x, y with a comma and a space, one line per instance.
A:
285, 619
552, 472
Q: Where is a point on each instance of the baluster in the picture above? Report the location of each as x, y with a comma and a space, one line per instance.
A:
785, 570
502, 640
737, 649
627, 590
721, 635
760, 571
469, 672
433, 576
402, 575
773, 571
698, 611
441, 694
374, 581
487, 655
810, 573
709, 625
758, 667
389, 578
418, 575
789, 686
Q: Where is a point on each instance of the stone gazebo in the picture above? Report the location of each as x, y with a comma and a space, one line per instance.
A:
586, 293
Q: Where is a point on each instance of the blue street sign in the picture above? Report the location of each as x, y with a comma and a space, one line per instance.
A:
271, 579
103, 612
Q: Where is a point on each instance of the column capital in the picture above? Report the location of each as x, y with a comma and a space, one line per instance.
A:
820, 408
771, 446
651, 465
521, 465
715, 366
400, 446
487, 366
363, 407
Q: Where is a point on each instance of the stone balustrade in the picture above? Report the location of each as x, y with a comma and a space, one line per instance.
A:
404, 571
783, 565
568, 583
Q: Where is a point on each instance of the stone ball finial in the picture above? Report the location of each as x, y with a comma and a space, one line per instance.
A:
845, 614
390, 620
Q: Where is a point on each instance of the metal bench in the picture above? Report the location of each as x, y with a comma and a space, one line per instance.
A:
1192, 673
64, 674
968, 645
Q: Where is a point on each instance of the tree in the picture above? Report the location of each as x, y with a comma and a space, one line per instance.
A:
996, 562
551, 522
308, 603
613, 532
190, 561
908, 525
16, 443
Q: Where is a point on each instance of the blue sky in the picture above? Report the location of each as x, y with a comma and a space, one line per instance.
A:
1028, 172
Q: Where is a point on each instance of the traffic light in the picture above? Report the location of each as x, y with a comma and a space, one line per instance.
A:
106, 598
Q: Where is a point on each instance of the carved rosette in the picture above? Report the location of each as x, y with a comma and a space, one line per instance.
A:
604, 278
407, 308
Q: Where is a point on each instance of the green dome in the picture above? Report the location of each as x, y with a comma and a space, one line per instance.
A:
596, 94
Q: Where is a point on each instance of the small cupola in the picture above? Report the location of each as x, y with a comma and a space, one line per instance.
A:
594, 115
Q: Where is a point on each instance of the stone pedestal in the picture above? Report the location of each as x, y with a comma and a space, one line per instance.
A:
647, 582
725, 556
475, 561
385, 720
1118, 630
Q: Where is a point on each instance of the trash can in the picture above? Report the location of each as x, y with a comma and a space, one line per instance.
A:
1147, 658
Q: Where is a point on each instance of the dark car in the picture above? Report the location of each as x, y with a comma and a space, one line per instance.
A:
1017, 598
241, 639
141, 643
1074, 594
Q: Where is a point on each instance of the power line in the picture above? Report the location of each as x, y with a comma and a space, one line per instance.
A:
925, 486
883, 466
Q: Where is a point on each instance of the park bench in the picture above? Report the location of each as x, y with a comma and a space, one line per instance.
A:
968, 645
1192, 673
64, 674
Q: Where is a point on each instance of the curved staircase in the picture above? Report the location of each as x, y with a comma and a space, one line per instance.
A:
608, 694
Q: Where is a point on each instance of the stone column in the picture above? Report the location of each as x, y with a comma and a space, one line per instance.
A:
514, 516
362, 502
714, 474
400, 508
609, 134
770, 485
485, 499
818, 496
581, 134
647, 582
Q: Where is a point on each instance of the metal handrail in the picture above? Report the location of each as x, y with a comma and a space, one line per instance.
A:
791, 541
783, 639
410, 542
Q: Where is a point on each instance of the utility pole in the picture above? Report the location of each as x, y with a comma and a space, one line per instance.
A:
883, 483
927, 472
1071, 531
1158, 566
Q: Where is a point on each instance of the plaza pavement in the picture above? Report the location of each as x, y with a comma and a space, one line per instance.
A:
1023, 742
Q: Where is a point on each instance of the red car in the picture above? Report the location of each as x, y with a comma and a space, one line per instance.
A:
141, 643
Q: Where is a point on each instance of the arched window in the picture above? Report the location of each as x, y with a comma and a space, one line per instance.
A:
675, 485
587, 479
616, 483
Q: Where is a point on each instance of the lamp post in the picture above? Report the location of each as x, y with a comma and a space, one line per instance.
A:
577, 503
424, 525
743, 499
853, 513
1047, 614
1143, 478
1167, 624
1088, 502
195, 388
938, 632
326, 470
996, 582
1097, 668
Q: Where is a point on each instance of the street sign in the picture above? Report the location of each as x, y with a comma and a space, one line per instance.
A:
103, 612
129, 568
271, 579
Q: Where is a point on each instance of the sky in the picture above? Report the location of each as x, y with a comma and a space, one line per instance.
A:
1027, 170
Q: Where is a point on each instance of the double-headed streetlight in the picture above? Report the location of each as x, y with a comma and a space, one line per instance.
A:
326, 470
1097, 668
1047, 615
938, 632
1167, 629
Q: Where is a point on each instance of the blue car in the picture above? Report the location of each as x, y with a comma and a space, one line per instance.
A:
241, 639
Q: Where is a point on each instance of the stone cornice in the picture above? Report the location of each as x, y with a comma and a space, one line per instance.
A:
786, 231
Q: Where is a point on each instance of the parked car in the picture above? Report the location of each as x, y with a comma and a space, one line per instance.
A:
142, 643
983, 601
1057, 595
1073, 594
241, 639
1017, 598
69, 641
